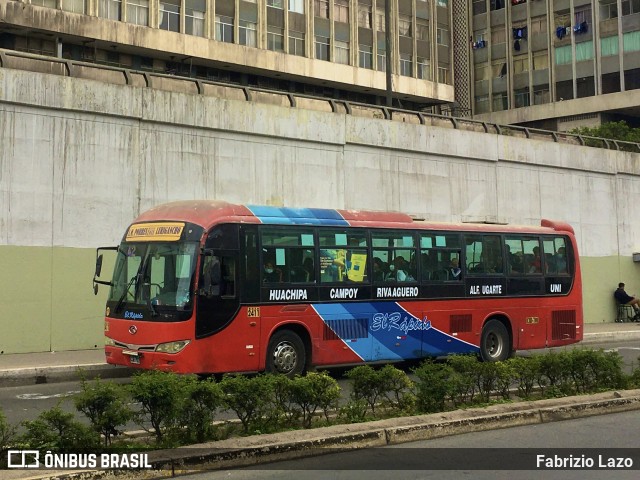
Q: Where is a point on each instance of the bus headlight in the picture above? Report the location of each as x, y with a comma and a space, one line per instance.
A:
109, 342
172, 347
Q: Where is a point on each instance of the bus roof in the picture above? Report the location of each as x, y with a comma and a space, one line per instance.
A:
208, 213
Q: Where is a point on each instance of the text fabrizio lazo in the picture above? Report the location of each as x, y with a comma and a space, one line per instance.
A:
570, 462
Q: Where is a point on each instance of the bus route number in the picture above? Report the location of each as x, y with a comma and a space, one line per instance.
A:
253, 312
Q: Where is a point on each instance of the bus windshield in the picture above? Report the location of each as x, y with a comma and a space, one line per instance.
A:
156, 275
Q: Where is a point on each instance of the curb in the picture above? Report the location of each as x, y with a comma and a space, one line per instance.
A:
261, 449
624, 336
19, 377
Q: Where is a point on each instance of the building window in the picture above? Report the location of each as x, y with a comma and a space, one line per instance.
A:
381, 60
364, 16
341, 52
498, 35
44, 3
365, 56
443, 75
247, 32
481, 104
224, 28
584, 51
276, 4
609, 46
404, 26
275, 38
520, 64
296, 6
321, 8
498, 68
442, 35
422, 29
296, 43
74, 6
424, 69
521, 98
541, 95
194, 11
380, 20
496, 4
341, 11
112, 9
629, 7
405, 65
540, 60
499, 102
481, 72
563, 55
631, 42
138, 12
538, 25
170, 15
442, 3
582, 16
322, 47
479, 6
608, 9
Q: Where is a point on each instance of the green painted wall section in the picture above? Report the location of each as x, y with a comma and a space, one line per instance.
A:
47, 293
602, 274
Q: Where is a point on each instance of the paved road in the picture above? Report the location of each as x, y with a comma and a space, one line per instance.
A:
591, 436
26, 402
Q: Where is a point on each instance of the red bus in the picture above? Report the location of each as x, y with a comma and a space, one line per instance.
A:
210, 287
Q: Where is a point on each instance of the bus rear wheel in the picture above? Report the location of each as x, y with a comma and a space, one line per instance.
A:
286, 354
494, 343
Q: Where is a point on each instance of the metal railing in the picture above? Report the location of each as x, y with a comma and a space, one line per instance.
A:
125, 76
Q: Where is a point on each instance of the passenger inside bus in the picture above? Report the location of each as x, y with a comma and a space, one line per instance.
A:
271, 274
455, 272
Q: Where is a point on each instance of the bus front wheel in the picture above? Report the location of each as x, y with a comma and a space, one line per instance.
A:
494, 344
286, 354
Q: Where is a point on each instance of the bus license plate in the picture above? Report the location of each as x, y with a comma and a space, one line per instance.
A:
135, 359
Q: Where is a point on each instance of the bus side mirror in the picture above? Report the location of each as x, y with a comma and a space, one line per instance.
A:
95, 288
98, 265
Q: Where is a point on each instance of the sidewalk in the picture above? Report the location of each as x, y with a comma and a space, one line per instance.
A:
32, 368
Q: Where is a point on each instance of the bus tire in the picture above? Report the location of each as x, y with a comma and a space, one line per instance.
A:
494, 342
286, 354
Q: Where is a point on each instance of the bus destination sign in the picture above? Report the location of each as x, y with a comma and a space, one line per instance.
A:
155, 232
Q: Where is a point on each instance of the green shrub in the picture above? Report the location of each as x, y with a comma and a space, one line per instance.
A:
462, 383
505, 376
354, 411
397, 389
105, 405
555, 368
58, 431
251, 399
525, 373
312, 392
7, 437
366, 385
194, 421
160, 396
432, 387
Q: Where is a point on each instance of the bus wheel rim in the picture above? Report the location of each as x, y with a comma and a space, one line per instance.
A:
494, 345
285, 357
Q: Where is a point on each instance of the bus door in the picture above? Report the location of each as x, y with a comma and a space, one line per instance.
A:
218, 300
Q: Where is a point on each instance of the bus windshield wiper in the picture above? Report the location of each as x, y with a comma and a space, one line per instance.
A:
124, 294
129, 284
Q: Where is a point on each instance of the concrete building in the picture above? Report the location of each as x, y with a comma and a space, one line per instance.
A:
553, 64
320, 47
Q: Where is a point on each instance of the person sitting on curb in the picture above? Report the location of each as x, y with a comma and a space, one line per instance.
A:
623, 298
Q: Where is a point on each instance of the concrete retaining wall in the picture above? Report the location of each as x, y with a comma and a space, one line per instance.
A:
79, 159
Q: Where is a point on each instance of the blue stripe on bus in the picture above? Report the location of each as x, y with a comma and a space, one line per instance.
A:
297, 216
393, 333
